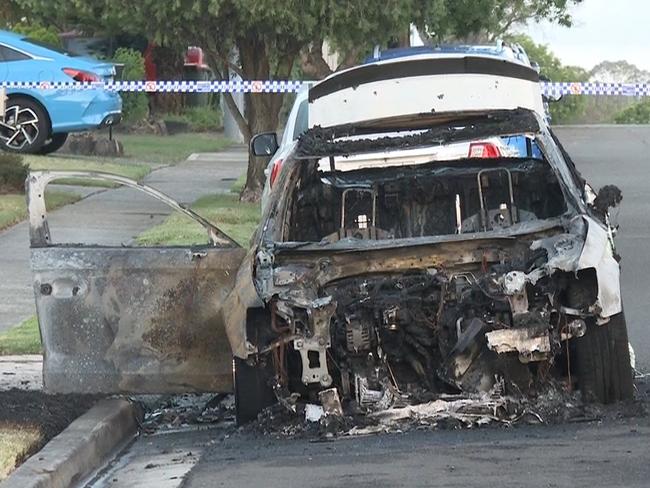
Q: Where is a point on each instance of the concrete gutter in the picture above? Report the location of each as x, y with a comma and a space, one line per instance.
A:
83, 447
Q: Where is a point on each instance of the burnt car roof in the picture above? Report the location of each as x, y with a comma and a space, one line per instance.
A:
436, 129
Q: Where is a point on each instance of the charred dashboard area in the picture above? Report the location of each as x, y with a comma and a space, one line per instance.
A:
439, 198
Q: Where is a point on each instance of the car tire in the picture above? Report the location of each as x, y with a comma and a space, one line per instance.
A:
54, 143
26, 126
603, 362
252, 391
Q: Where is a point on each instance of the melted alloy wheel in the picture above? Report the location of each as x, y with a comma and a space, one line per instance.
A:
20, 128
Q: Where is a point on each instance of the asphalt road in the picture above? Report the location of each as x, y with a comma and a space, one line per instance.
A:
621, 156
612, 452
576, 456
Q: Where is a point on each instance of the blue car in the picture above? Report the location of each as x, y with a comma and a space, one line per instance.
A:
38, 121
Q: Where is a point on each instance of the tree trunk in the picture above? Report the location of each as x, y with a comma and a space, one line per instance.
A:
169, 63
262, 115
262, 109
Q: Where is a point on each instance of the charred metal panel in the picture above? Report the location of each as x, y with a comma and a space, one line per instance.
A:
134, 320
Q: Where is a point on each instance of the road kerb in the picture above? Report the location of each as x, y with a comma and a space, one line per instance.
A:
78, 451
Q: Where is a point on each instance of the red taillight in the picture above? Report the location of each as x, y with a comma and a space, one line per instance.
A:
81, 76
483, 150
275, 171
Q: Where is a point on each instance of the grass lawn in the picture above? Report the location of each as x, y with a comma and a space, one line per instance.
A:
13, 207
239, 184
15, 443
237, 219
24, 339
170, 149
135, 171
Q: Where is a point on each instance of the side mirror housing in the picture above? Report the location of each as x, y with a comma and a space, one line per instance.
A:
264, 144
609, 196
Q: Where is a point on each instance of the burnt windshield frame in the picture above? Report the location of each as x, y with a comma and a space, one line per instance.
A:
320, 142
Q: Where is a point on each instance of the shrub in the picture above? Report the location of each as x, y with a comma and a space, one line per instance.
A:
48, 35
12, 173
636, 114
200, 119
135, 105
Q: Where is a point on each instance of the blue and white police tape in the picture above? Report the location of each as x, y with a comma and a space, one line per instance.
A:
595, 88
552, 89
241, 86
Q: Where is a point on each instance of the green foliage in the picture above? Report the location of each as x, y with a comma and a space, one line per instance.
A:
22, 339
636, 114
237, 219
569, 109
200, 119
170, 149
13, 173
38, 32
135, 171
281, 28
270, 34
135, 105
13, 207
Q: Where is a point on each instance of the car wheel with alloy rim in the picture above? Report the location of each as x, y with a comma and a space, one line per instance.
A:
25, 127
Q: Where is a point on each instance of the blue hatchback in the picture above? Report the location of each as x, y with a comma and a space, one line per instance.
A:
39, 120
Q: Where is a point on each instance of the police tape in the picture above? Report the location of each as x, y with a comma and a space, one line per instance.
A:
555, 89
550, 89
232, 86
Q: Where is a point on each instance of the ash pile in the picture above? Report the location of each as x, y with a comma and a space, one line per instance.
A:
398, 412
332, 417
173, 412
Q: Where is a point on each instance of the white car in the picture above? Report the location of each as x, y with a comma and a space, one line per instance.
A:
297, 124
373, 288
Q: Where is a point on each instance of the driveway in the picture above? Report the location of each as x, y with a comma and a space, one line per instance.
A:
110, 217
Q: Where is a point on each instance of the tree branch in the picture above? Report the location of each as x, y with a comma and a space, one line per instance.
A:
312, 62
350, 59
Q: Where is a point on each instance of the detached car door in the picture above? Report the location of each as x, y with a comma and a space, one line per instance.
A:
131, 319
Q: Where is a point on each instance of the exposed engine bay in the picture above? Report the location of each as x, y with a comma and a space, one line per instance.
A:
385, 339
406, 326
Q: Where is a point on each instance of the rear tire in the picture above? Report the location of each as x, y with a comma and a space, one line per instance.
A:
252, 391
54, 143
26, 126
603, 362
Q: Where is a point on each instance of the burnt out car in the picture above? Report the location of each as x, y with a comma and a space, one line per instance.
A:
389, 264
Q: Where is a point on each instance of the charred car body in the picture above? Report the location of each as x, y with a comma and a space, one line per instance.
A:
380, 268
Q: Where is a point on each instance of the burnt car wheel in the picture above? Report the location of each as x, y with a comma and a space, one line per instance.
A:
25, 128
54, 143
252, 391
603, 362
